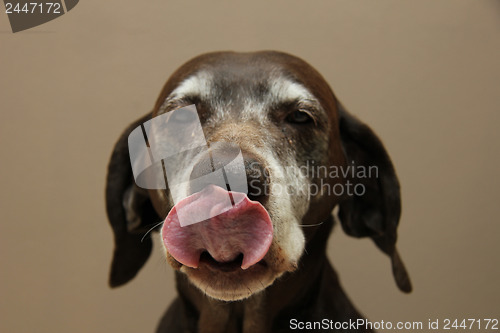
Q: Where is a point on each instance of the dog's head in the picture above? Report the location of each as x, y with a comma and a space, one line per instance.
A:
303, 155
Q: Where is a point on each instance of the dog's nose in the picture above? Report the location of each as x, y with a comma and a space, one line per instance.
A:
221, 158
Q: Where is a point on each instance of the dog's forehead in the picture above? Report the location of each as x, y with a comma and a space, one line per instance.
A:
248, 69
232, 77
224, 87
247, 86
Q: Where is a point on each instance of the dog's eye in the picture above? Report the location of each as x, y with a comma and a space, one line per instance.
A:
299, 117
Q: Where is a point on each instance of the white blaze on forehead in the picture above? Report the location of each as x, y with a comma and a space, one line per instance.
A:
198, 84
282, 90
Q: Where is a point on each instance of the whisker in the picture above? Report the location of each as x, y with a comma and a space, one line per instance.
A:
152, 228
260, 281
311, 225
249, 290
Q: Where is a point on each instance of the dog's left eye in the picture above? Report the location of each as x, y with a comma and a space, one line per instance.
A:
299, 117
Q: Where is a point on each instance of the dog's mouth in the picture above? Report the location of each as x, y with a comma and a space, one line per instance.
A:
233, 238
234, 265
229, 266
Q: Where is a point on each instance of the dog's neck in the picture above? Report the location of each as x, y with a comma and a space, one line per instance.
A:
259, 312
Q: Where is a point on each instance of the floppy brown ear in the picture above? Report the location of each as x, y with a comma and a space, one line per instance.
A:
376, 212
130, 213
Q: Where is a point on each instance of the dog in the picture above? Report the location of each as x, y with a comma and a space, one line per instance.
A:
262, 266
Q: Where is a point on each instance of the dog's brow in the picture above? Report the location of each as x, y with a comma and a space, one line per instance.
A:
284, 90
198, 86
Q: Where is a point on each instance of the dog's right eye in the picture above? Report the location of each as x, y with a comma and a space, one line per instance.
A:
299, 117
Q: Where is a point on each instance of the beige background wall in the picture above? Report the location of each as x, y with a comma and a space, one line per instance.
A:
424, 74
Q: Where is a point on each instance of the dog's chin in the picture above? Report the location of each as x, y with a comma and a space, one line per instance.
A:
227, 282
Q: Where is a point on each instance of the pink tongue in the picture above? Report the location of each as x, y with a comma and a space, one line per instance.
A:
245, 228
